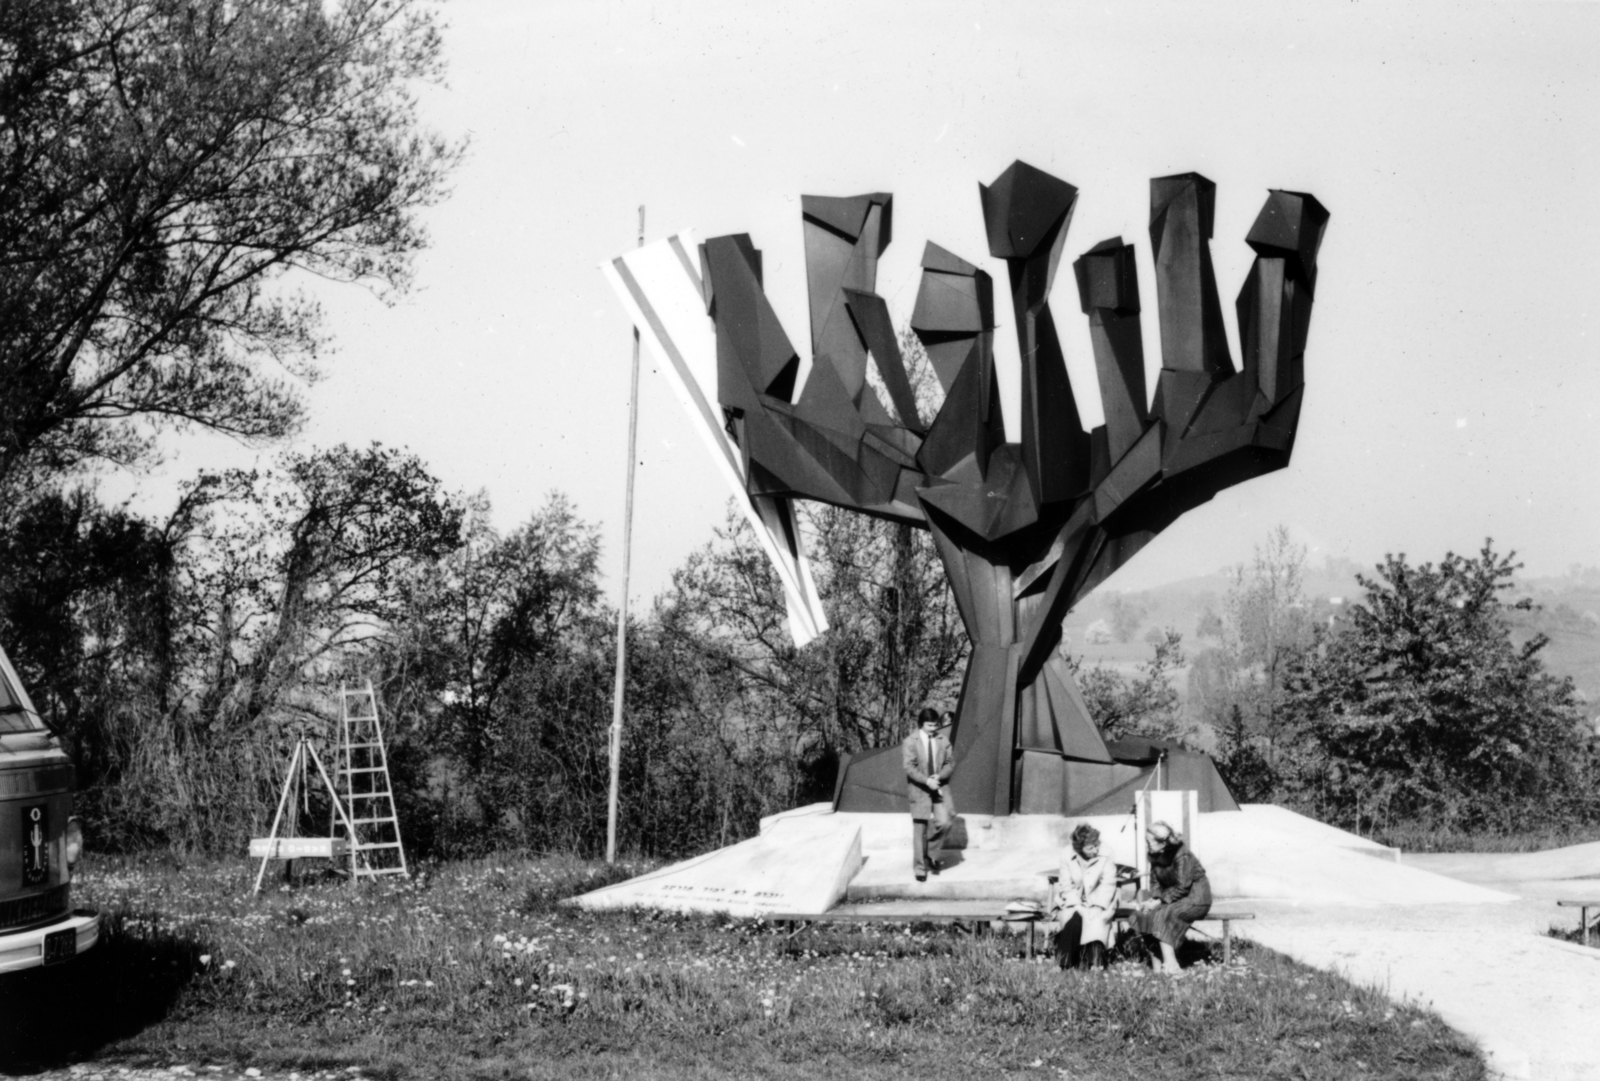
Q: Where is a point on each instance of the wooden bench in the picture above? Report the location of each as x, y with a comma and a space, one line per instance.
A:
1226, 919
977, 913
1223, 916
1583, 906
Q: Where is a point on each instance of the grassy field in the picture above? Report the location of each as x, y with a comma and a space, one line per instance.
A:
472, 970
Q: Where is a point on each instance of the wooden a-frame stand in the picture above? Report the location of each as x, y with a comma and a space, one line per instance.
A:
273, 847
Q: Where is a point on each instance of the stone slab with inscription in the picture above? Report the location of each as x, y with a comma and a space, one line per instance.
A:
795, 865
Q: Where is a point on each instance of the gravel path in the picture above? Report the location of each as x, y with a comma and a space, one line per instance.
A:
1488, 970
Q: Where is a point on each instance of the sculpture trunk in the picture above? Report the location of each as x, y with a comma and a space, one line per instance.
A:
1015, 733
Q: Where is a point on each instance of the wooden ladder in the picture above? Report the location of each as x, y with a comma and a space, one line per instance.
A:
370, 822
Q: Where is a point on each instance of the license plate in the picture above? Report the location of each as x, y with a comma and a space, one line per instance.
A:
60, 946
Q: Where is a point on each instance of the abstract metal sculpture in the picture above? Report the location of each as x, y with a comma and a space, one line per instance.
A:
1025, 530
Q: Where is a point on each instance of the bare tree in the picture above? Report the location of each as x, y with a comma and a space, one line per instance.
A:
1240, 686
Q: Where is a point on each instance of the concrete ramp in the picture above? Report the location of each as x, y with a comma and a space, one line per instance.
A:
1271, 853
1551, 865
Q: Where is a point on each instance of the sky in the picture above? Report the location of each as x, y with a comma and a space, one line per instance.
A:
1452, 382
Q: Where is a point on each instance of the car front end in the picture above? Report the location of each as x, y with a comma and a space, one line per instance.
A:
40, 841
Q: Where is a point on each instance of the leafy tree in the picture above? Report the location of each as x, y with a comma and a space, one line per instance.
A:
503, 672
163, 165
82, 604
1426, 711
895, 642
290, 571
1146, 704
1251, 778
177, 657
502, 661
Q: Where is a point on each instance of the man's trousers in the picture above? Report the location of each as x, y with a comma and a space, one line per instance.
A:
927, 837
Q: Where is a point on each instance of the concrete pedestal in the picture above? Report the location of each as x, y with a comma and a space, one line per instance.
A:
812, 858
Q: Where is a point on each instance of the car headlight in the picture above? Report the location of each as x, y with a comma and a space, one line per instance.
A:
74, 841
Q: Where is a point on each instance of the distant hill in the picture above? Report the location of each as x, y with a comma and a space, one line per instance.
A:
1568, 614
1181, 606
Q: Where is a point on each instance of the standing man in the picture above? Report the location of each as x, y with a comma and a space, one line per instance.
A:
929, 761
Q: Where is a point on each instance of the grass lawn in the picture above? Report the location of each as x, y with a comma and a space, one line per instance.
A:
472, 970
1426, 839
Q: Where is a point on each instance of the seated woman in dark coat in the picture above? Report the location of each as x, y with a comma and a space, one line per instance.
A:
1179, 891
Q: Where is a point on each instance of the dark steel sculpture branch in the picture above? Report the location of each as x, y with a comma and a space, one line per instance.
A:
1025, 530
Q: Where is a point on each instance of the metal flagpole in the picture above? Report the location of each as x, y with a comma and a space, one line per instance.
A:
622, 604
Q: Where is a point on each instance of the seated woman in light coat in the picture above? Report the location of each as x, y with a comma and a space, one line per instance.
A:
1086, 901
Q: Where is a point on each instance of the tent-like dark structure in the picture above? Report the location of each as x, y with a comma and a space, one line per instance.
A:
875, 781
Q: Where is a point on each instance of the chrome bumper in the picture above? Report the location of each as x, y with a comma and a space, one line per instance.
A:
25, 949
